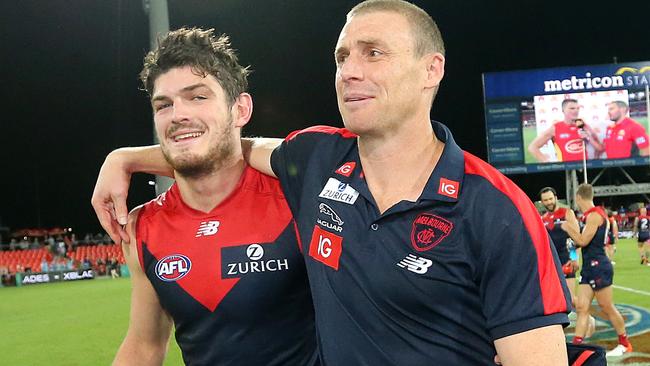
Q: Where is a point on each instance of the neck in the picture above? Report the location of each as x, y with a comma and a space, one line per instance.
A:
208, 191
407, 154
569, 121
587, 206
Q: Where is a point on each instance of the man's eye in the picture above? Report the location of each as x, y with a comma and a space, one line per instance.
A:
161, 106
374, 53
199, 97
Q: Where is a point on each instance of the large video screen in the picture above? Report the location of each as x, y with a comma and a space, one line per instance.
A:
551, 119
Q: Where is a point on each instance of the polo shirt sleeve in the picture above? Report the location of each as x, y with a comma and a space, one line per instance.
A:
639, 136
518, 271
302, 152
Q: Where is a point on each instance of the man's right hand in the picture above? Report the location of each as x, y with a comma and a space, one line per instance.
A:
112, 187
109, 197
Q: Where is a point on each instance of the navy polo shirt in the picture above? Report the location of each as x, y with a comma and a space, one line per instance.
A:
432, 282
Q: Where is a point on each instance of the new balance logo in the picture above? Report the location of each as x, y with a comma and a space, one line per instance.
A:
207, 228
415, 264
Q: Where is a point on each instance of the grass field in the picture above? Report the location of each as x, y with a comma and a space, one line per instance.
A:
66, 323
83, 322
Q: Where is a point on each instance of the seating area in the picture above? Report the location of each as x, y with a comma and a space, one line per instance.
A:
21, 260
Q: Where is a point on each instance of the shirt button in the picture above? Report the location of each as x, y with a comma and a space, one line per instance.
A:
374, 227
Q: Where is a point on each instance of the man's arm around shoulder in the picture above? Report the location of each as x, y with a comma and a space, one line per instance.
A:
150, 326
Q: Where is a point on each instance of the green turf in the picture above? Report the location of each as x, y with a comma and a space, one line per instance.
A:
66, 323
83, 322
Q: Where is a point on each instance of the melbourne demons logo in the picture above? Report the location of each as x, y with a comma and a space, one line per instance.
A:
428, 231
573, 146
173, 267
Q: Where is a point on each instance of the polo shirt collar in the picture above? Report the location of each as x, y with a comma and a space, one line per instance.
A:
450, 169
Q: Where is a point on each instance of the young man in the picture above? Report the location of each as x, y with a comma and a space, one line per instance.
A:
597, 273
641, 230
624, 134
553, 219
567, 136
216, 255
405, 267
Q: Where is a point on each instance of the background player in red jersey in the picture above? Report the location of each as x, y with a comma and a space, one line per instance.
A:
597, 273
183, 241
624, 134
566, 135
553, 219
641, 230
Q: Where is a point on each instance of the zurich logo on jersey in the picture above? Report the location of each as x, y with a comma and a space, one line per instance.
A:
173, 267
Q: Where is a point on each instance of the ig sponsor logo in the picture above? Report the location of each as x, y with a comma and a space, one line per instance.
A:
325, 247
448, 188
173, 267
346, 169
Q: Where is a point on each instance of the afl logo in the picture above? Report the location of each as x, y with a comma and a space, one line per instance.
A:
173, 267
573, 146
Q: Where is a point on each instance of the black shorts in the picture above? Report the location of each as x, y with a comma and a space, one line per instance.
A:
597, 273
643, 237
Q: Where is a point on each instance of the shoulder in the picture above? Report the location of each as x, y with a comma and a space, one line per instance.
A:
483, 183
262, 184
322, 131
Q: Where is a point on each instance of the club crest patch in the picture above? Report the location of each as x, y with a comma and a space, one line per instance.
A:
428, 231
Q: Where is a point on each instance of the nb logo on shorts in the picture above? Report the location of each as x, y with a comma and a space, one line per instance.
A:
207, 228
415, 264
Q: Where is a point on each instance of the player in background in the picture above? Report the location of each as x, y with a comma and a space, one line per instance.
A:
612, 237
625, 135
553, 219
567, 136
597, 272
641, 231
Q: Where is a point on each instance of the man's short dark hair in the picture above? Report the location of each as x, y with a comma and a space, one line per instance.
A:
547, 189
205, 53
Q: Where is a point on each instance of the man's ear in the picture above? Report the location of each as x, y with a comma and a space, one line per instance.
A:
242, 110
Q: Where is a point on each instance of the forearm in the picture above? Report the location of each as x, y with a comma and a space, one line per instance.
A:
537, 153
257, 153
139, 352
575, 235
144, 159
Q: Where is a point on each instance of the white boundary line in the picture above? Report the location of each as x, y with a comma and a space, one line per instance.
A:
631, 290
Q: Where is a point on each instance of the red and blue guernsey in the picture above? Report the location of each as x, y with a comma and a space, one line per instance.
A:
432, 282
553, 222
596, 248
643, 228
233, 279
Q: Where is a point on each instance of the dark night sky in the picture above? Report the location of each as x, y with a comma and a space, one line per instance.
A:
70, 89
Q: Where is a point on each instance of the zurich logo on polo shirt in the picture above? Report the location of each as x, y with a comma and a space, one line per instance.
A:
338, 191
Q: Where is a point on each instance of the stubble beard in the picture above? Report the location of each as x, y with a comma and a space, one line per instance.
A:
194, 166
